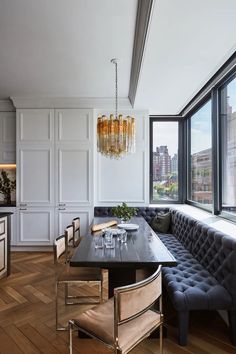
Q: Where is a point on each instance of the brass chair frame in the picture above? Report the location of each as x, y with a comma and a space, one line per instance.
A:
118, 322
69, 235
76, 229
68, 298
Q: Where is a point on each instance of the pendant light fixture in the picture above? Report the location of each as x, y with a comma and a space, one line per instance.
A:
115, 135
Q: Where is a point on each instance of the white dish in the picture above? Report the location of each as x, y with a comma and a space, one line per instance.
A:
128, 227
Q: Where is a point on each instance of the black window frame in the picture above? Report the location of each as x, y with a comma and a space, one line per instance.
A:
188, 154
211, 90
181, 160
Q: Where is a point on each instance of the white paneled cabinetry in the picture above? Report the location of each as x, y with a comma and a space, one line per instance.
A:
74, 167
54, 172
7, 137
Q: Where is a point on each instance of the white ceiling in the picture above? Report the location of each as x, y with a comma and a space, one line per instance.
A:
188, 41
62, 48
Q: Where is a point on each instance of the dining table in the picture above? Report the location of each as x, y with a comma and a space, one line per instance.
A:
142, 250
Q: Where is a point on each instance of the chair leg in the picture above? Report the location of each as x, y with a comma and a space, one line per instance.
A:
101, 291
70, 337
56, 305
232, 325
161, 335
66, 293
183, 319
161, 339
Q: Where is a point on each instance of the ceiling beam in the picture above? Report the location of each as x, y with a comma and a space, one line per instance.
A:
143, 20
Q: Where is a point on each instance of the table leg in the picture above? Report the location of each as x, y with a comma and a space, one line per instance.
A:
120, 277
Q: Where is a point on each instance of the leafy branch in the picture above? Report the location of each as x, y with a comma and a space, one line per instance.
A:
124, 212
6, 184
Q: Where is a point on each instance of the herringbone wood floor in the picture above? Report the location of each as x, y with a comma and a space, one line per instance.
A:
27, 317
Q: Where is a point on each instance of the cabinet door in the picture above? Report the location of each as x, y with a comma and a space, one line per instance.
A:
13, 219
35, 175
73, 175
74, 125
3, 247
64, 217
7, 137
35, 125
35, 226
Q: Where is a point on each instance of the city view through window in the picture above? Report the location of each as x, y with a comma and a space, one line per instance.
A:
201, 156
228, 137
165, 161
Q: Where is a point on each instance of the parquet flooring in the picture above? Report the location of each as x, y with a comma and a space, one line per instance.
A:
27, 317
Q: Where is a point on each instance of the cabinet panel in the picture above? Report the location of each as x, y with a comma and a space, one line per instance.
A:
35, 125
3, 247
35, 226
73, 125
13, 220
35, 172
9, 127
7, 137
74, 180
63, 218
8, 153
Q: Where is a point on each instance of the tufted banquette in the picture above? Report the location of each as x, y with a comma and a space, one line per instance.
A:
205, 277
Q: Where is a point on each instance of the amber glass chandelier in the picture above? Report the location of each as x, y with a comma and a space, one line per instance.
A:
115, 135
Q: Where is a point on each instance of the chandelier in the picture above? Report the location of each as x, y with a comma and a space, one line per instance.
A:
115, 135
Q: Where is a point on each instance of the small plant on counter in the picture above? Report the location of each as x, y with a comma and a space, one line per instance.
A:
6, 186
124, 212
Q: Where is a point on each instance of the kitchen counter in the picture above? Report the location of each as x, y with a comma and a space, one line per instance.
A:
5, 241
5, 214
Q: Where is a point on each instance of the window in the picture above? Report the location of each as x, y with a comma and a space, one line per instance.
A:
164, 160
227, 100
200, 186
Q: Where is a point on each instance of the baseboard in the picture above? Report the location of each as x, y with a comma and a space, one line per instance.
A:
31, 248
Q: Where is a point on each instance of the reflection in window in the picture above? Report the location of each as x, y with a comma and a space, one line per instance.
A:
228, 137
165, 161
201, 156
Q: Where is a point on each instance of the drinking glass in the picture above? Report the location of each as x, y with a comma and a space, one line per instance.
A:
108, 239
98, 241
123, 236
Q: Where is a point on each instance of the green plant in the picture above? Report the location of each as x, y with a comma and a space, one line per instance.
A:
6, 186
124, 212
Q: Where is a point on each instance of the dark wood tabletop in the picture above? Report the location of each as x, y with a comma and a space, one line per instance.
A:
143, 249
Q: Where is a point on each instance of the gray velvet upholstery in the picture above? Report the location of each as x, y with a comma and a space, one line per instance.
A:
189, 284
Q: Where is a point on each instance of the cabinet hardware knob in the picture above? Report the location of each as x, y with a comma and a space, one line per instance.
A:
61, 204
62, 209
23, 208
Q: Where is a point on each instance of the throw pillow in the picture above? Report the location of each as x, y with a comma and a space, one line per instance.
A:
161, 223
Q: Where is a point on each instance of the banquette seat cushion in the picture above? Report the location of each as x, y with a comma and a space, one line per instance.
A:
189, 284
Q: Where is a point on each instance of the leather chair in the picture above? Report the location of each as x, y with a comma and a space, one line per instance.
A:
76, 231
126, 319
73, 275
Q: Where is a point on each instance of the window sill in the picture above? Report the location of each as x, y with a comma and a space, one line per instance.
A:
218, 223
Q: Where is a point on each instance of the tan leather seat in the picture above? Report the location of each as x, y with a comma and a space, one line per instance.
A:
128, 333
125, 320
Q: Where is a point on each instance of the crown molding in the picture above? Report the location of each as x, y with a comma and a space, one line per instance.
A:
143, 21
6, 106
69, 102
